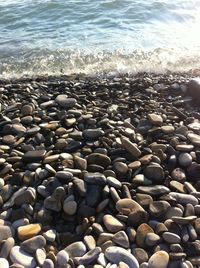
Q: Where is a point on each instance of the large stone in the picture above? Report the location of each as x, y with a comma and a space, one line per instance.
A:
19, 256
155, 119
76, 249
132, 148
160, 259
4, 263
117, 254
98, 159
65, 102
92, 134
112, 224
141, 233
32, 244
193, 89
33, 156
28, 231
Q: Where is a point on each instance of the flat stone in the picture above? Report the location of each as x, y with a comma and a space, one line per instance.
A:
167, 129
184, 220
33, 156
32, 244
76, 249
178, 174
160, 259
140, 179
132, 148
28, 231
184, 198
92, 134
117, 254
194, 138
98, 159
65, 102
114, 182
141, 233
171, 238
155, 119
17, 255
5, 232
112, 224
156, 190
184, 147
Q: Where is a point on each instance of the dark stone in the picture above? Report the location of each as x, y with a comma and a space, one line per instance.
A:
33, 156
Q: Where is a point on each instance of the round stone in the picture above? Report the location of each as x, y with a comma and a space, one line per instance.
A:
27, 110
70, 207
185, 159
160, 259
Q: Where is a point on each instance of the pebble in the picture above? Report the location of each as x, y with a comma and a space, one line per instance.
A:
17, 255
160, 259
118, 254
28, 231
155, 119
62, 258
32, 244
185, 159
4, 263
65, 102
132, 148
76, 249
5, 232
112, 224
171, 238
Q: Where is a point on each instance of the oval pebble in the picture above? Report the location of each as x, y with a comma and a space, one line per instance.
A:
17, 255
118, 254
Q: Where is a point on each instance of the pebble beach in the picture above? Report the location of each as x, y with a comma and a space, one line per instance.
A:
100, 172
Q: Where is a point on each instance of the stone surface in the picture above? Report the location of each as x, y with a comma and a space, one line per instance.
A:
160, 259
17, 255
32, 244
118, 254
28, 231
112, 224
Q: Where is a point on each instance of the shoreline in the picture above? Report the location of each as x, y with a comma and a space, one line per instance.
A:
93, 168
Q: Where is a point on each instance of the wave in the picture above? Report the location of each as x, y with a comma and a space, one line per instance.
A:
32, 63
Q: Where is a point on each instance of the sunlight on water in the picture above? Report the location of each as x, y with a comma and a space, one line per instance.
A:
97, 36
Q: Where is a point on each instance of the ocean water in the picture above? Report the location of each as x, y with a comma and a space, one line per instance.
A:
39, 37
